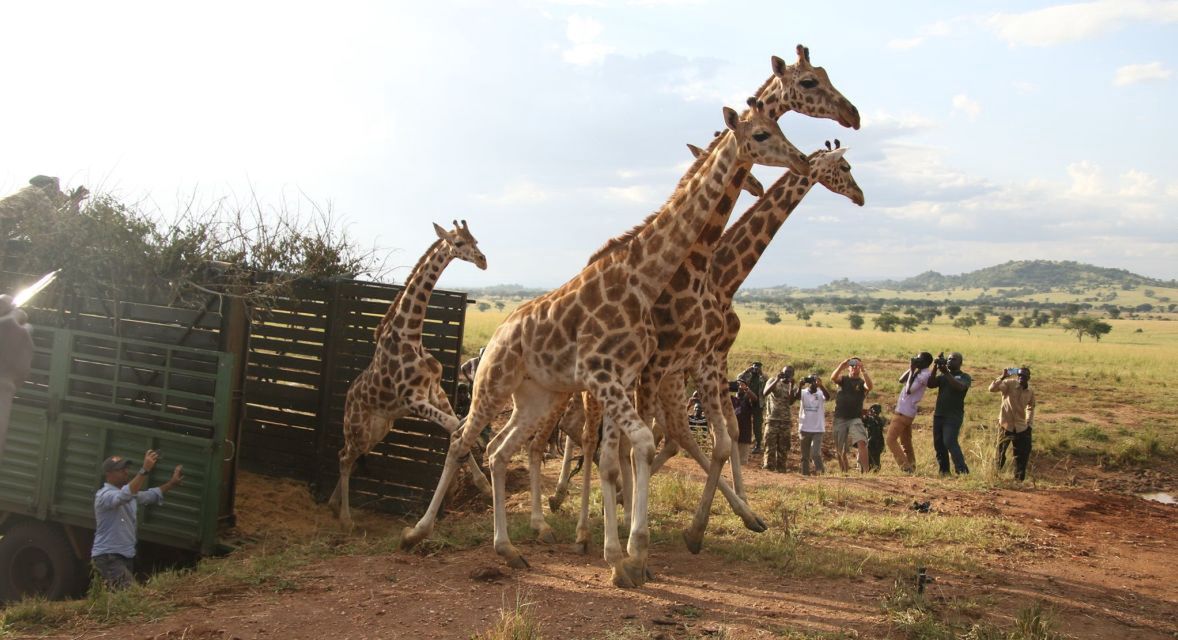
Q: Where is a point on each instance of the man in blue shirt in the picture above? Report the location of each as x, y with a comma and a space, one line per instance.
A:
115, 516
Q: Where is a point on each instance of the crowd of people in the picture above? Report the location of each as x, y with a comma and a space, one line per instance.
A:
861, 430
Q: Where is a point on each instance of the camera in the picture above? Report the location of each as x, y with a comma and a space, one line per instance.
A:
921, 360
1013, 371
783, 376
853, 362
940, 360
811, 379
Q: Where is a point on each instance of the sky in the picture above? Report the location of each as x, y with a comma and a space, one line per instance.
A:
991, 131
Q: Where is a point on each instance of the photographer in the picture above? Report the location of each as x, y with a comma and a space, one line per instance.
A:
949, 413
1015, 417
756, 380
848, 411
744, 403
874, 422
812, 422
779, 394
914, 383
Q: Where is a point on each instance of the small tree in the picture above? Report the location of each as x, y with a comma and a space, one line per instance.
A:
499, 305
952, 310
1005, 320
1086, 326
484, 306
856, 321
1026, 322
909, 323
772, 317
886, 322
979, 317
965, 323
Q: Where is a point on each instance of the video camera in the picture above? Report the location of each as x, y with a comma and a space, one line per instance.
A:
810, 379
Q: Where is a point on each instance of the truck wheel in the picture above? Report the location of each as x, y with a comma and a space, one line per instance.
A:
37, 560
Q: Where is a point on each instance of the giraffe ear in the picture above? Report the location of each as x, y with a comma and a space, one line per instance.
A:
695, 151
779, 66
837, 154
442, 233
731, 118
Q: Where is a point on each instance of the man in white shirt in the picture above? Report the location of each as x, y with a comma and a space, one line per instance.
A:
913, 383
812, 422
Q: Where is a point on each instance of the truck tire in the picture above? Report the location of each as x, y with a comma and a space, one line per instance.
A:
37, 560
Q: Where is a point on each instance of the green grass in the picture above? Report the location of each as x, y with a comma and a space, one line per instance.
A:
917, 618
516, 622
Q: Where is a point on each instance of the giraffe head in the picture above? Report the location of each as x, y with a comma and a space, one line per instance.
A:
807, 89
462, 245
751, 184
759, 140
831, 170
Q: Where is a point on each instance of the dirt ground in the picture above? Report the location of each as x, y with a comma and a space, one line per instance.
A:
1106, 563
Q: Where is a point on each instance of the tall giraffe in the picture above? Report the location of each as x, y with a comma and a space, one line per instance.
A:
687, 313
403, 378
595, 334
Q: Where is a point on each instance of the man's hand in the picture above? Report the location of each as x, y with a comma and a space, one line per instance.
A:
150, 458
177, 475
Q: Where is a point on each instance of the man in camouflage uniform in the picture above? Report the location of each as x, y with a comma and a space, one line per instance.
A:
755, 379
874, 423
779, 395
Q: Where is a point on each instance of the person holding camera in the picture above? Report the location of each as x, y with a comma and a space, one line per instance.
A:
812, 422
874, 422
779, 397
949, 414
1015, 417
756, 380
115, 515
914, 383
853, 383
745, 404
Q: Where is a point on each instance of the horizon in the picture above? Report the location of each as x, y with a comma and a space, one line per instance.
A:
1022, 130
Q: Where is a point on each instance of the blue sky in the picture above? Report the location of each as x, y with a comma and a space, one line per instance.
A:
991, 131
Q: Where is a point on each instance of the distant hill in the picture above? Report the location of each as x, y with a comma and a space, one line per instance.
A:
506, 291
1040, 275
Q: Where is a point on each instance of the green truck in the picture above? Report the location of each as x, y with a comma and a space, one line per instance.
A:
91, 396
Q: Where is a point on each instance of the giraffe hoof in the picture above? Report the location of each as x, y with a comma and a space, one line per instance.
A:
635, 570
621, 580
649, 575
546, 536
517, 562
409, 539
694, 540
755, 524
554, 503
581, 547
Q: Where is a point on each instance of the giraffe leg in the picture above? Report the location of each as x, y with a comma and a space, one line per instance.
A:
679, 431
487, 401
423, 409
573, 419
713, 381
535, 462
361, 433
533, 405
589, 441
620, 411
626, 477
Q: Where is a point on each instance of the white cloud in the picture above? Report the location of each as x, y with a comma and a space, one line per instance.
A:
1024, 87
1071, 22
1086, 179
940, 29
906, 43
1134, 73
639, 194
522, 192
967, 105
586, 50
1136, 183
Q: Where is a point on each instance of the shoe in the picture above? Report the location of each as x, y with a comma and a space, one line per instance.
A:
756, 450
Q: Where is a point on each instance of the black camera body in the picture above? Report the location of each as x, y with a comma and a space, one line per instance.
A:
810, 380
940, 360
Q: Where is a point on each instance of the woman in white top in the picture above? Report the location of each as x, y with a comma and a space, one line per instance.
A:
812, 422
914, 383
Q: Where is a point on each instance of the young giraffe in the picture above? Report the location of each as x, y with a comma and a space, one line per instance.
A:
687, 312
594, 334
403, 378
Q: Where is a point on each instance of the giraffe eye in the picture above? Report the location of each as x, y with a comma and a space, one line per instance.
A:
761, 137
809, 83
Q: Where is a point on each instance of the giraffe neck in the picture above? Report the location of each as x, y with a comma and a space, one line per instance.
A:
742, 245
407, 312
658, 250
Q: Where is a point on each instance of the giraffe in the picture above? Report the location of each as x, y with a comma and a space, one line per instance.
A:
595, 333
687, 313
403, 378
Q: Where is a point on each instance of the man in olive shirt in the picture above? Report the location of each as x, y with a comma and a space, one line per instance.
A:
1015, 417
950, 412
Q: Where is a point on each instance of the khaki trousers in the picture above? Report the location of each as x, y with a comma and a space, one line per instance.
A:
900, 442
